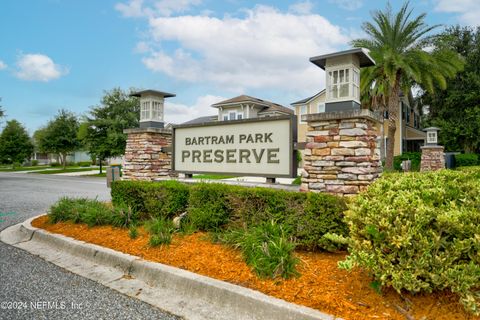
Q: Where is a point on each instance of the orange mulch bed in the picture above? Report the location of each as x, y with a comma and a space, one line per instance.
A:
321, 286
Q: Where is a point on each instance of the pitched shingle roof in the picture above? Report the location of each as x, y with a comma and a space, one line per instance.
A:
306, 100
268, 106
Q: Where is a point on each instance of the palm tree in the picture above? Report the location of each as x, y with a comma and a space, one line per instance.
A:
398, 43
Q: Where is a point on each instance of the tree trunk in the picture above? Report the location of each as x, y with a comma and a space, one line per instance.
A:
100, 160
393, 104
64, 160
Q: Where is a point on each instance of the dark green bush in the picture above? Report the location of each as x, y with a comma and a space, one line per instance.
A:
466, 160
420, 232
161, 231
151, 199
34, 163
84, 163
208, 206
266, 248
311, 215
416, 158
316, 219
55, 164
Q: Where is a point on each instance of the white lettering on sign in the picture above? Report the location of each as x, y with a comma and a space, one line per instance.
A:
263, 147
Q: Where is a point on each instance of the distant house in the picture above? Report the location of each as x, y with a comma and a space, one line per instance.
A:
243, 107
409, 135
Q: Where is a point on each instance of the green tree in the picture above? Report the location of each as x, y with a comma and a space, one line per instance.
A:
15, 144
397, 43
456, 110
60, 135
102, 132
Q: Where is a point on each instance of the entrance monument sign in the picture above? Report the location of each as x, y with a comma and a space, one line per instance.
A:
255, 147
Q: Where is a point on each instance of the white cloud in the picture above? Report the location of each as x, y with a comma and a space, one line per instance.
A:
468, 10
137, 8
179, 113
348, 4
264, 49
38, 67
2, 65
304, 7
132, 9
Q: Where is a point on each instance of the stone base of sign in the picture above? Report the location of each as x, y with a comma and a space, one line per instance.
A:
433, 158
147, 154
341, 154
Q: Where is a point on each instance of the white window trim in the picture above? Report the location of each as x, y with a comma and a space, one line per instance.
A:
350, 96
300, 113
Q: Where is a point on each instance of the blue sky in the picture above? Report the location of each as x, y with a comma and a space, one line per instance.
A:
63, 54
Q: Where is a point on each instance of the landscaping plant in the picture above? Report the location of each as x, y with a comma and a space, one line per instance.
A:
466, 160
316, 219
420, 232
161, 231
266, 248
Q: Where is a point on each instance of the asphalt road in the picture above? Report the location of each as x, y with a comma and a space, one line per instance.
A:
38, 289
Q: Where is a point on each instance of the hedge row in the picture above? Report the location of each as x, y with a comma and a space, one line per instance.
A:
467, 160
314, 220
420, 232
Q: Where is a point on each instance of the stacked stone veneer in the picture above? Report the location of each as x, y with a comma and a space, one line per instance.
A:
433, 158
145, 155
341, 154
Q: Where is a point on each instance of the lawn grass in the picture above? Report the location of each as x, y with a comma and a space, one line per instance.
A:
212, 176
55, 171
9, 168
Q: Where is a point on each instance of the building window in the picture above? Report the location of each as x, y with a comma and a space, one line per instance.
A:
145, 111
239, 116
303, 110
338, 83
356, 85
232, 115
321, 108
225, 117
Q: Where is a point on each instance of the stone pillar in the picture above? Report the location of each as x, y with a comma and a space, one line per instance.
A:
433, 158
341, 154
146, 157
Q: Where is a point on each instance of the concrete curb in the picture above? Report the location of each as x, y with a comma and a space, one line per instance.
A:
178, 291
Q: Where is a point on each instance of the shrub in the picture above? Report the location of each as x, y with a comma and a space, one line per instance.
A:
321, 226
212, 207
151, 199
123, 216
34, 163
311, 215
208, 207
133, 232
466, 160
415, 157
420, 232
64, 209
81, 210
55, 164
95, 213
160, 230
84, 163
266, 248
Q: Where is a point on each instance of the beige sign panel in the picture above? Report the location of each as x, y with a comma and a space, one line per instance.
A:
259, 147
